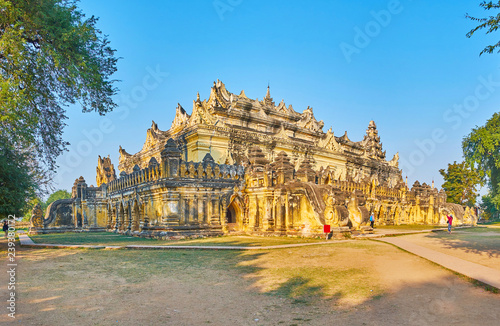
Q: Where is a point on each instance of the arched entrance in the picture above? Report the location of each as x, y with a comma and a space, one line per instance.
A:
233, 216
121, 218
135, 216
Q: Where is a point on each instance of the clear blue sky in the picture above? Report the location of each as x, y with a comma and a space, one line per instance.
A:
405, 64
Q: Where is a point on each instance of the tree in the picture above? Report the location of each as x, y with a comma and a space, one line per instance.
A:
51, 56
482, 146
490, 207
28, 208
17, 183
482, 150
460, 183
490, 23
59, 194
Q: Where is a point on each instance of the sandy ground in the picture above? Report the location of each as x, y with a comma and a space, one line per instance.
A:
103, 287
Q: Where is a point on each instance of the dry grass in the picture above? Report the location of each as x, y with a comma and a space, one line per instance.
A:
107, 238
409, 227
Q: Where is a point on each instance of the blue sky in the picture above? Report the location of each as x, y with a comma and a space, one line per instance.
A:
407, 65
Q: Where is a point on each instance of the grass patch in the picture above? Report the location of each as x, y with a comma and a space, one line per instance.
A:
135, 267
412, 227
92, 238
493, 223
298, 273
477, 230
316, 281
108, 238
314, 274
303, 274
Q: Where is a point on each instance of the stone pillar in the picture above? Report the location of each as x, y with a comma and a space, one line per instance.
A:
257, 224
85, 219
184, 211
109, 218
246, 208
202, 209
193, 204
282, 215
129, 219
291, 210
287, 212
223, 213
115, 223
119, 213
278, 210
274, 211
190, 210
123, 213
268, 204
135, 217
145, 221
76, 211
215, 217
209, 208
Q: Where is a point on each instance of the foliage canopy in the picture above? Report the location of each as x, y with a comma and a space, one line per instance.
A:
16, 182
460, 182
489, 23
50, 57
482, 149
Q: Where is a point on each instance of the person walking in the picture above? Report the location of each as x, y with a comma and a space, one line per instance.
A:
372, 220
450, 220
5, 228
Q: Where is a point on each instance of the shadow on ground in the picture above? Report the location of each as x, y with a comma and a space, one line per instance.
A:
477, 241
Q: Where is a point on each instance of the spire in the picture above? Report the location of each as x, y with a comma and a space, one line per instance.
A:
268, 100
371, 142
198, 97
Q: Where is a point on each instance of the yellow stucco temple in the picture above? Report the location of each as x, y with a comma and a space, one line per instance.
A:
247, 166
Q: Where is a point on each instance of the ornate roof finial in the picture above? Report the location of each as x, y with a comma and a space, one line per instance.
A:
154, 125
268, 94
198, 97
268, 100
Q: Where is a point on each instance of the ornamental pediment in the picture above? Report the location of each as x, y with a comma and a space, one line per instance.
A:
308, 121
329, 142
180, 120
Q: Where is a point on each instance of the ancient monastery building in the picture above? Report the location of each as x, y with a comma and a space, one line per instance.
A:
242, 165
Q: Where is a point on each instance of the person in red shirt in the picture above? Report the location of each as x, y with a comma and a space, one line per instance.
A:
450, 220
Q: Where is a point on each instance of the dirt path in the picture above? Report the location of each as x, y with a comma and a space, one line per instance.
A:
109, 287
